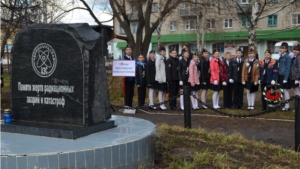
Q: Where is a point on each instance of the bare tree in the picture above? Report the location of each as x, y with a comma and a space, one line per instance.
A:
254, 11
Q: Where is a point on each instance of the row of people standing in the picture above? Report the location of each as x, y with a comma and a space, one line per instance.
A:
202, 72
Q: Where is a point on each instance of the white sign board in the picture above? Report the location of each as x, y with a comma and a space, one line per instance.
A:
123, 68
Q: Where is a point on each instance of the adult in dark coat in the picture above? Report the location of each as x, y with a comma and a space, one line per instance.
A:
150, 75
129, 81
172, 77
235, 75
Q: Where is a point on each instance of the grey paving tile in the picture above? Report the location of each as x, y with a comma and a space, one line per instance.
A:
90, 159
80, 159
32, 161
115, 156
142, 149
123, 155
43, 161
99, 158
53, 161
129, 153
63, 160
11, 162
3, 162
135, 151
107, 157
22, 162
72, 162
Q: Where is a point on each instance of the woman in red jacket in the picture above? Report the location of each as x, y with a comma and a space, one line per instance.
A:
216, 78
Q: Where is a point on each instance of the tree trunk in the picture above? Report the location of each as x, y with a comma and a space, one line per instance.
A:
159, 25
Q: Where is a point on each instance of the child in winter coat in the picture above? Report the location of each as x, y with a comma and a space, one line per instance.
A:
250, 75
194, 76
203, 66
150, 75
160, 76
140, 79
284, 68
215, 78
172, 78
268, 74
295, 73
183, 74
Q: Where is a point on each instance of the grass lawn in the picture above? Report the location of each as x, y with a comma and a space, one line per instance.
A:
180, 148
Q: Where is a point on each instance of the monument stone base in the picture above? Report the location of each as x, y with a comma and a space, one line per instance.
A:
55, 130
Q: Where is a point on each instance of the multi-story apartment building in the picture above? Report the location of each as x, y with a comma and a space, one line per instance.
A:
225, 26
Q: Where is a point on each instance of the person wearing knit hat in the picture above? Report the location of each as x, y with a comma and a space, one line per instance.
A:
160, 76
183, 74
150, 75
172, 77
250, 75
128, 81
295, 70
235, 75
203, 66
284, 68
268, 74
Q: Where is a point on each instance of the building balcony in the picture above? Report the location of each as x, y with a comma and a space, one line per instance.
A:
243, 8
188, 11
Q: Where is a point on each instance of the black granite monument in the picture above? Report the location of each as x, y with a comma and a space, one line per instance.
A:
58, 81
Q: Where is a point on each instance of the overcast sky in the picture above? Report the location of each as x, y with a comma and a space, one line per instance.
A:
83, 16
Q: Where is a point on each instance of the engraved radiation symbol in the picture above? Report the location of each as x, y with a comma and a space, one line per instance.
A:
44, 60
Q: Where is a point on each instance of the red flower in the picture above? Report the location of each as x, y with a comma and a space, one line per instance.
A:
273, 96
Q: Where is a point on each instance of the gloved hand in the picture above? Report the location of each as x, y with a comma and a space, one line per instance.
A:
284, 81
224, 83
247, 64
255, 83
231, 81
259, 81
296, 82
204, 83
273, 82
243, 83
216, 82
180, 83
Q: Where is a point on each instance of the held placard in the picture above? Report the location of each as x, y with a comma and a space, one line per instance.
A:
123, 68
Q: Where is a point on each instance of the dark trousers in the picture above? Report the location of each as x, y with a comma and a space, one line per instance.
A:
129, 91
173, 91
238, 93
227, 95
264, 102
141, 95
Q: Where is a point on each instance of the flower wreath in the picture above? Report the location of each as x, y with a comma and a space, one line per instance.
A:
273, 93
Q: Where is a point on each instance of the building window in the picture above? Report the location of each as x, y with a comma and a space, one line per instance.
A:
272, 1
227, 23
190, 25
245, 22
210, 23
173, 26
228, 2
219, 47
272, 20
134, 9
154, 8
155, 31
296, 19
192, 48
243, 1
134, 28
121, 30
